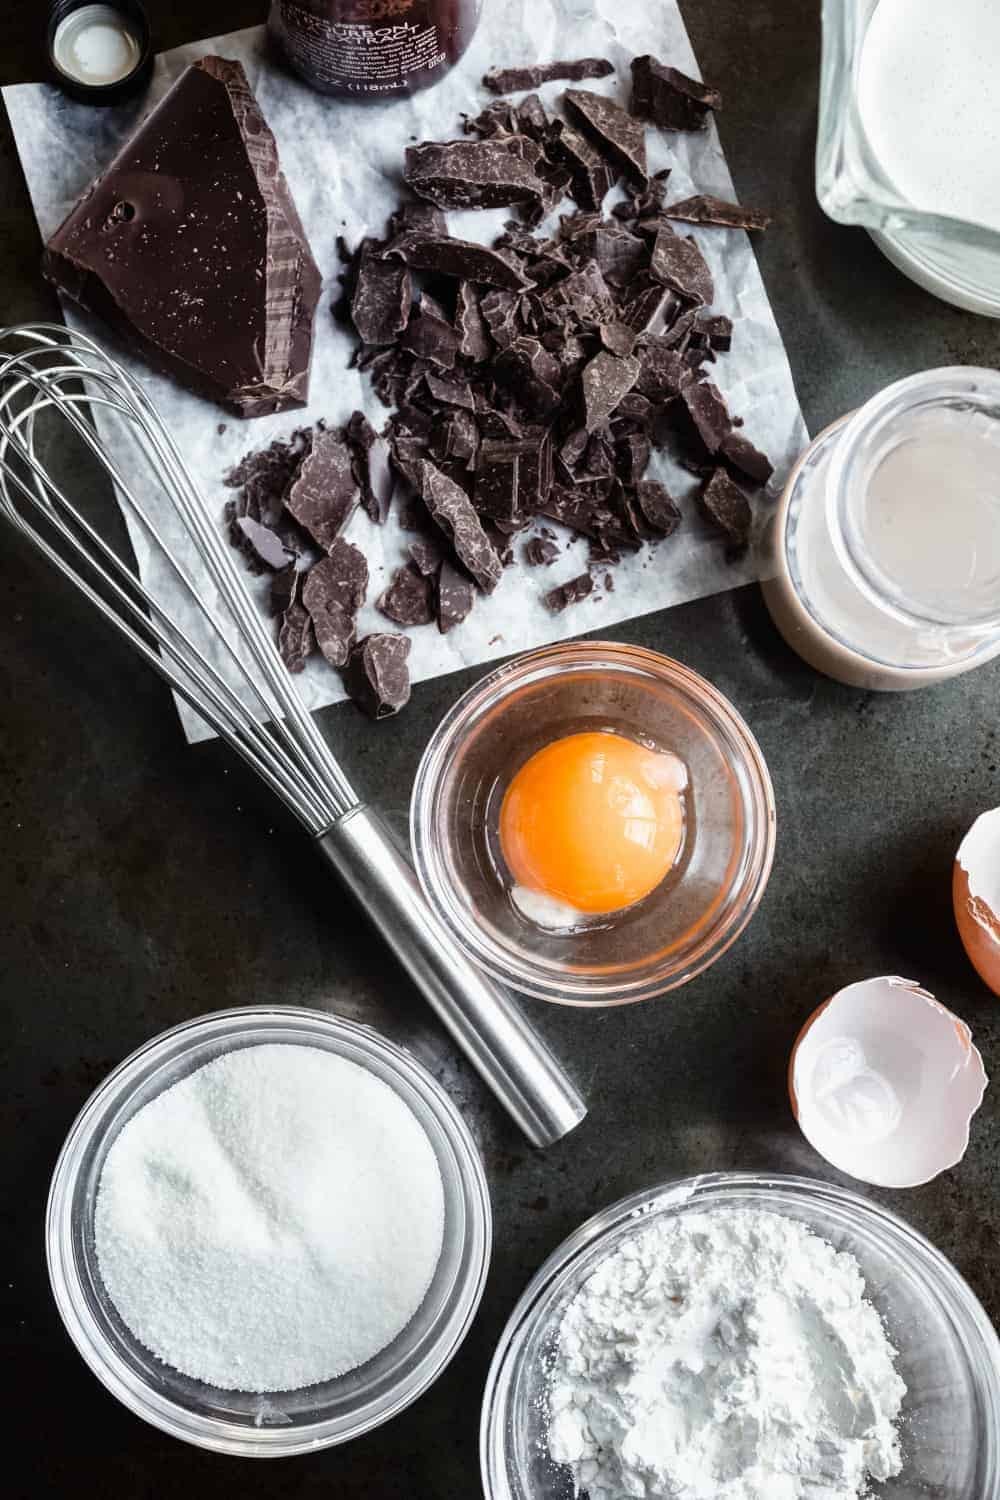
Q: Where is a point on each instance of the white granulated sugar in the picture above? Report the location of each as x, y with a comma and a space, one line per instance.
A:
271, 1221
725, 1355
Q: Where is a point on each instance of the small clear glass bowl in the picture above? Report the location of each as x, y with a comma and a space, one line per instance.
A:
949, 1354
318, 1416
690, 918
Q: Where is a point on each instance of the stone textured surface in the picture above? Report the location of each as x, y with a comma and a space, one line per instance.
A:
118, 841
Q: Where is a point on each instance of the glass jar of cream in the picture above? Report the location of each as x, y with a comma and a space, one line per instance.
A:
882, 560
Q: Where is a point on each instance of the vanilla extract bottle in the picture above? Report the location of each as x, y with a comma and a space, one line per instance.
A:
372, 48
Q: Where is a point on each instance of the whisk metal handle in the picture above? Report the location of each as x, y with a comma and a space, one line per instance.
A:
483, 1018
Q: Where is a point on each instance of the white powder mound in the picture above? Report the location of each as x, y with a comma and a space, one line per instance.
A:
725, 1355
271, 1221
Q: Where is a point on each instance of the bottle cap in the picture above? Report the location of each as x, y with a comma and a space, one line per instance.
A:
99, 53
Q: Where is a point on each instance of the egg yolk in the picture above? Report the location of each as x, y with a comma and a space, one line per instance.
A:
594, 820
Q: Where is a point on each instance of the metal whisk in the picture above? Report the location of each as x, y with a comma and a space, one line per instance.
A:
234, 678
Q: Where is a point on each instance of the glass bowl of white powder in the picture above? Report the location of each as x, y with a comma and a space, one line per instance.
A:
688, 1343
261, 1075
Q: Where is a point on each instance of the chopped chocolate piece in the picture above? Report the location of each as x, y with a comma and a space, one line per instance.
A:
453, 511
408, 599
284, 586
295, 633
585, 293
266, 544
474, 174
658, 507
606, 379
617, 338
740, 454
499, 311
512, 477
324, 496
669, 98
663, 373
632, 455
425, 555
451, 391
591, 177
634, 408
540, 552
579, 510
341, 578
531, 374
574, 447
714, 332
704, 209
417, 218
461, 258
455, 436
619, 137
455, 597
377, 675
650, 306
498, 118
680, 265
222, 295
513, 80
371, 467
728, 506
708, 411
430, 336
473, 338
573, 592
383, 293
619, 254
531, 118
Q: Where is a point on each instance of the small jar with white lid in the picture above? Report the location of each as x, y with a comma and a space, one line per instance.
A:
881, 563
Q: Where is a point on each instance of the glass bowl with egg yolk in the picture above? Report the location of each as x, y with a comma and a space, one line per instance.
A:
594, 822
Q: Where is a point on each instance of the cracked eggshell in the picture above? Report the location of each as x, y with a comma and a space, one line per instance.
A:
884, 1082
975, 889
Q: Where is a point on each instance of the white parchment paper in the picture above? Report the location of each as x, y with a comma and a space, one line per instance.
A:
343, 162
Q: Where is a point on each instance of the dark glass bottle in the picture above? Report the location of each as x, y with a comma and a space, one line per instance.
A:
373, 48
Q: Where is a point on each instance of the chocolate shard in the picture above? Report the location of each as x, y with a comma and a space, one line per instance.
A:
532, 119
499, 311
455, 437
296, 640
283, 589
650, 306
704, 209
450, 391
662, 373
540, 552
514, 80
565, 594
498, 118
324, 496
632, 455
714, 332
590, 176
383, 294
453, 511
670, 98
223, 298
618, 135
371, 466
455, 597
377, 675
474, 174
741, 455
266, 544
709, 413
417, 217
606, 379
512, 477
473, 336
464, 259
659, 509
585, 294
426, 556
430, 336
408, 599
728, 506
333, 592
620, 255
680, 265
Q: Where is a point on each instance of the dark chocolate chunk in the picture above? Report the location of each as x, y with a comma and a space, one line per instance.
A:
340, 578
512, 477
707, 408
222, 295
498, 118
531, 374
284, 586
584, 293
473, 337
324, 496
650, 306
619, 137
658, 507
455, 436
453, 511
606, 379
296, 640
383, 293
474, 174
704, 209
499, 311
266, 544
514, 80
429, 335
460, 258
590, 176
573, 592
371, 467
408, 599
663, 373
740, 454
450, 391
377, 675
425, 555
540, 552
669, 98
680, 265
632, 456
619, 254
455, 597
532, 119
728, 506
714, 332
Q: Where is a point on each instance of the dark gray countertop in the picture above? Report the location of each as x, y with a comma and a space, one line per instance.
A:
142, 882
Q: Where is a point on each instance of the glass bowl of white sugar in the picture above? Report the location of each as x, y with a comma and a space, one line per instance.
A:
744, 1335
268, 1231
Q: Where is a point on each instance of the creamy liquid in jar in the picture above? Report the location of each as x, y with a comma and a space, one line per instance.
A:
929, 97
